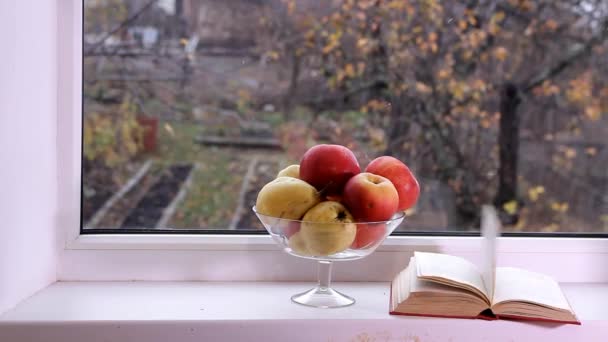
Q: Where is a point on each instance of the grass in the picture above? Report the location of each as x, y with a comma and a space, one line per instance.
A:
212, 197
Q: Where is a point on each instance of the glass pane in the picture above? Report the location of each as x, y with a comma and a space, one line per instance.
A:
191, 106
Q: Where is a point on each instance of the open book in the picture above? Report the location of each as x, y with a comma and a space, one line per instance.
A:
448, 286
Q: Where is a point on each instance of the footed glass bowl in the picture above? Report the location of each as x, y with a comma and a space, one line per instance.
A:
327, 242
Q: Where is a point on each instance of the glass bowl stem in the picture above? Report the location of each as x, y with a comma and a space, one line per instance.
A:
322, 295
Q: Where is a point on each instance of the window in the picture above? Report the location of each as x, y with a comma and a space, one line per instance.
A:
191, 106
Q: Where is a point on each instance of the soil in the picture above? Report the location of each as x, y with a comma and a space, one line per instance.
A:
264, 172
90, 205
121, 208
150, 208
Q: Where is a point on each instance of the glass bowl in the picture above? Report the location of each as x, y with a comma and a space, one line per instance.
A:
327, 242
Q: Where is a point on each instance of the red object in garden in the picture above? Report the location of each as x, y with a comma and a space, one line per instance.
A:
150, 127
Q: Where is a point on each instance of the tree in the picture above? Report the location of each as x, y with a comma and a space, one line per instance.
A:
454, 78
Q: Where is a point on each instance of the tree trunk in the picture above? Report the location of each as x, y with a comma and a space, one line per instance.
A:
508, 145
288, 100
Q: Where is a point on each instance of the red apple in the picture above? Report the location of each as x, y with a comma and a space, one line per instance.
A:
291, 228
400, 175
328, 167
368, 234
370, 198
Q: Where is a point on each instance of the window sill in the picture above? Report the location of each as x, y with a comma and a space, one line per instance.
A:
196, 311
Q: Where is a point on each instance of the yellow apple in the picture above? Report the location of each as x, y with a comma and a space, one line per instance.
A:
286, 197
297, 244
327, 228
290, 171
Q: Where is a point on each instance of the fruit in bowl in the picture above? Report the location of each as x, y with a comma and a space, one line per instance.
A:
332, 235
286, 197
290, 171
326, 209
400, 175
328, 167
326, 229
371, 197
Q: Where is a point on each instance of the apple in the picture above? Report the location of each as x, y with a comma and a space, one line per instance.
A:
327, 228
400, 175
368, 234
286, 197
291, 228
290, 171
298, 245
328, 167
371, 198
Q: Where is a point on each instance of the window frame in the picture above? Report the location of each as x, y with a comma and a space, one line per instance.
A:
158, 256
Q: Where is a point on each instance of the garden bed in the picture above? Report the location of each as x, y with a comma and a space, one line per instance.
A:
150, 208
264, 171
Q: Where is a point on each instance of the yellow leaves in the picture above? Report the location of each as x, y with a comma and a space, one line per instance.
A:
428, 44
580, 92
486, 123
458, 89
550, 228
510, 207
112, 137
349, 70
547, 88
593, 112
365, 4
535, 192
462, 25
580, 89
500, 53
423, 88
480, 85
498, 17
272, 55
362, 43
551, 25
333, 41
559, 207
444, 73
591, 151
495, 20
568, 152
375, 106
524, 5
169, 129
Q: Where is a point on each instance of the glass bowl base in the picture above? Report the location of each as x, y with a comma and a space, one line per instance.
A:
323, 297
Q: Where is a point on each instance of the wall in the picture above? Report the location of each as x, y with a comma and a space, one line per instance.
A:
28, 125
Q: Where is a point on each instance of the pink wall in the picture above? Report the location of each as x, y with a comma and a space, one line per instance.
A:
28, 126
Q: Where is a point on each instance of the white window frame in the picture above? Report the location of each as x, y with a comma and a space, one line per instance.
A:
250, 257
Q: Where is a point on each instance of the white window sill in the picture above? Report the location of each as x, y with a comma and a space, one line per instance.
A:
258, 311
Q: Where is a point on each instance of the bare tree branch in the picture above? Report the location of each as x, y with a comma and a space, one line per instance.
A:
122, 25
574, 54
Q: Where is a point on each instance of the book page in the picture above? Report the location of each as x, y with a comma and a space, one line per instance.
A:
514, 284
490, 229
412, 295
457, 271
